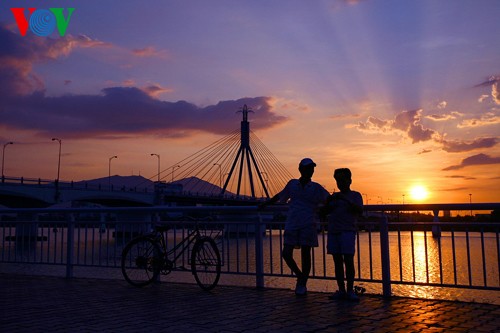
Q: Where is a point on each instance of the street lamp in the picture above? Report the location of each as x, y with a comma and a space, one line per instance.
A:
173, 169
3, 156
220, 174
403, 199
470, 203
109, 170
366, 202
59, 161
157, 155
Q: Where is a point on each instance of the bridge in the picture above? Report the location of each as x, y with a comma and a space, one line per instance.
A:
20, 192
38, 193
235, 170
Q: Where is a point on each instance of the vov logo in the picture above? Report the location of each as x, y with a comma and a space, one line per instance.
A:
42, 22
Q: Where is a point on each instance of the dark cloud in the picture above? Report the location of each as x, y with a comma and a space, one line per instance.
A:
116, 112
424, 151
461, 146
461, 177
123, 110
454, 189
479, 159
489, 82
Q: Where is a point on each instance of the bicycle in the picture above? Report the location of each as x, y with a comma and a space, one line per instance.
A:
146, 256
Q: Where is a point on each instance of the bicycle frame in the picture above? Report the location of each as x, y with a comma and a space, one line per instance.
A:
180, 247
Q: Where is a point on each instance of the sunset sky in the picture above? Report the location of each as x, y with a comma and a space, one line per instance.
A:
405, 93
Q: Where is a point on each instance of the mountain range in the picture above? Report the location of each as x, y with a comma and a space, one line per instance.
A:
193, 185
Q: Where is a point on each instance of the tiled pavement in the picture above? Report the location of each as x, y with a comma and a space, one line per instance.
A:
50, 304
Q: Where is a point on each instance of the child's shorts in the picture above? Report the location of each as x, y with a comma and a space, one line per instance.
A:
341, 242
307, 236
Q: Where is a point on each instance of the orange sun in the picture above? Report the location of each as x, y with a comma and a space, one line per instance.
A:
419, 193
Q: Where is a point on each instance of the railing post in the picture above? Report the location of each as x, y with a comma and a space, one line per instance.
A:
385, 256
70, 220
155, 220
436, 228
259, 254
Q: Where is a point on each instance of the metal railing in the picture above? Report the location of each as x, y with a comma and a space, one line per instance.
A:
70, 185
389, 253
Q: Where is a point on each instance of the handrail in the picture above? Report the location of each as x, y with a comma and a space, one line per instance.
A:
367, 208
240, 219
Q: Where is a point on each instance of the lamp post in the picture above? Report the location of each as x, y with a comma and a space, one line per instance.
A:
470, 203
157, 155
3, 156
109, 170
366, 198
173, 169
403, 199
59, 160
220, 174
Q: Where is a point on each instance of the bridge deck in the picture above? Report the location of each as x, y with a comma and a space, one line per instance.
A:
49, 304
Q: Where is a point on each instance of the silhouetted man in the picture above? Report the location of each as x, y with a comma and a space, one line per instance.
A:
304, 195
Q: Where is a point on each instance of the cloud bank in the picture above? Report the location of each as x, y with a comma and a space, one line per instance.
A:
461, 146
407, 124
116, 111
479, 159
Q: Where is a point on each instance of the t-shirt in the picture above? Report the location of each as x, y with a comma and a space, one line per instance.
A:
341, 217
303, 202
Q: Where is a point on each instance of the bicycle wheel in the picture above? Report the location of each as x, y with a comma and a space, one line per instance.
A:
206, 263
141, 261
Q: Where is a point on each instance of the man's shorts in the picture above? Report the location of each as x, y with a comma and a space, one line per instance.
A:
307, 236
341, 242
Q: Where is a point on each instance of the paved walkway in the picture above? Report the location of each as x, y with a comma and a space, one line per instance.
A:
50, 304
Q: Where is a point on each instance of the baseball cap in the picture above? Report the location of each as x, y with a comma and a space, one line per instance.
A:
307, 161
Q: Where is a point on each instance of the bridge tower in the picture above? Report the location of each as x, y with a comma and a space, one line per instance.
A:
237, 166
245, 157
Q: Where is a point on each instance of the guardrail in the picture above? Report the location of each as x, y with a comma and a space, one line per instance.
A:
80, 185
390, 254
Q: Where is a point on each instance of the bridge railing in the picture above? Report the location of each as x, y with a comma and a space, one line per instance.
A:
80, 185
392, 256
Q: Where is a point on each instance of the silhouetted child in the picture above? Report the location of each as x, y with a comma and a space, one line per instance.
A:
300, 228
345, 207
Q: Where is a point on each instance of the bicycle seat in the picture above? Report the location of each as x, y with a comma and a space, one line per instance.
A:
162, 228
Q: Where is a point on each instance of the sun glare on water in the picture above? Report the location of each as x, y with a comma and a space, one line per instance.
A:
419, 193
